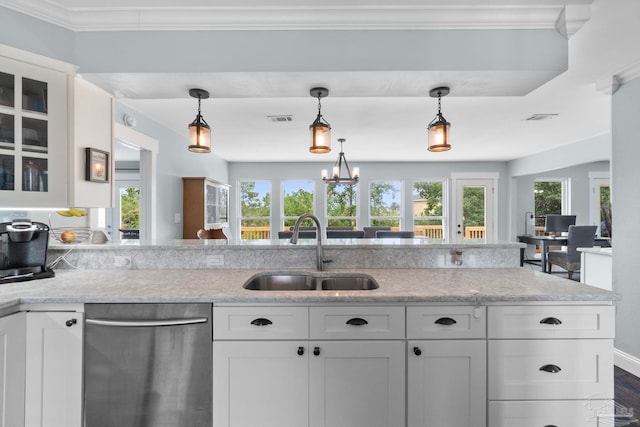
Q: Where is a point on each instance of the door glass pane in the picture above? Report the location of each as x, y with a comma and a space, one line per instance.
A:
7, 172
474, 213
427, 202
129, 213
34, 95
7, 132
7, 86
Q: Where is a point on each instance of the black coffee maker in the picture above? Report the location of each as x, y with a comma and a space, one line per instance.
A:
23, 250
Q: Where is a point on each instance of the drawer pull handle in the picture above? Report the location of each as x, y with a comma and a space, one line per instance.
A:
316, 351
447, 321
300, 351
357, 321
554, 369
551, 321
261, 321
417, 351
550, 425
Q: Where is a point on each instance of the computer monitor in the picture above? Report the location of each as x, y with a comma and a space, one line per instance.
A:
557, 224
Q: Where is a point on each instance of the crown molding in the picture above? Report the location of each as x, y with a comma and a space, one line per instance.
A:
572, 18
422, 17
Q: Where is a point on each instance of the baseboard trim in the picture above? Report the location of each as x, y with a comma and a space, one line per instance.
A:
626, 361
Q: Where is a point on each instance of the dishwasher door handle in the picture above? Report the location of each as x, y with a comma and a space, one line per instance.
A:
147, 323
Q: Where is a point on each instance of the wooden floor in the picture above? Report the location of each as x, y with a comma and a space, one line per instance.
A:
627, 396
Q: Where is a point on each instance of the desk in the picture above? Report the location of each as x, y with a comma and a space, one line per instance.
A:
545, 241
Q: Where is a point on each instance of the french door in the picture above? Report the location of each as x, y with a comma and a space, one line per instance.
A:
474, 210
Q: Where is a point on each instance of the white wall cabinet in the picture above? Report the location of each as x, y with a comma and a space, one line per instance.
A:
47, 117
33, 135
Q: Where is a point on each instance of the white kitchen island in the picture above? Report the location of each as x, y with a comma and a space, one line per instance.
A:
596, 267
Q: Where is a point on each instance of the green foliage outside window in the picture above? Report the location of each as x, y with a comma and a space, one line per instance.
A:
547, 200
297, 203
474, 206
431, 194
130, 209
341, 202
254, 205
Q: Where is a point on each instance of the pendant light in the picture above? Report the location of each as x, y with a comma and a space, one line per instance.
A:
320, 130
336, 173
199, 130
438, 129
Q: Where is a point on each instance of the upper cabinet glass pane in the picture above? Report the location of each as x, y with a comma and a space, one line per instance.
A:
7, 131
34, 95
34, 135
7, 88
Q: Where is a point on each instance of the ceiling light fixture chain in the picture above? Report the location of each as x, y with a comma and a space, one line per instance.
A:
336, 173
438, 129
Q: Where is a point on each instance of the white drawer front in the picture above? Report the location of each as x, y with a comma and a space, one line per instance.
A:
550, 369
260, 323
356, 322
561, 413
453, 322
551, 322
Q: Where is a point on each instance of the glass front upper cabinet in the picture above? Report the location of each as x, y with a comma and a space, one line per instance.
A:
33, 135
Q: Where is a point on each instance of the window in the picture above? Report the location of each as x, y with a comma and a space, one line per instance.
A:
342, 205
297, 199
385, 199
550, 198
428, 209
255, 210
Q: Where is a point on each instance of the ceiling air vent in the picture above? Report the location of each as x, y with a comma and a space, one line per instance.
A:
538, 117
281, 119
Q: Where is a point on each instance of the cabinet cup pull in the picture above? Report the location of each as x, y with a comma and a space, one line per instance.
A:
554, 369
551, 321
316, 351
261, 321
417, 351
447, 321
550, 425
300, 351
71, 322
357, 321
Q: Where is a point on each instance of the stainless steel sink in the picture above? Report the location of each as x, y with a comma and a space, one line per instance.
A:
349, 283
281, 282
272, 281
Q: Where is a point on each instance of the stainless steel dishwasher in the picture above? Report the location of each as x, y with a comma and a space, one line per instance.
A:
148, 365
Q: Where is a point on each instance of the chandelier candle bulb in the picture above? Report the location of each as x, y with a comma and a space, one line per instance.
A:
356, 172
324, 174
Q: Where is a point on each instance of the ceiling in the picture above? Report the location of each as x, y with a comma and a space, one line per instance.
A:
381, 114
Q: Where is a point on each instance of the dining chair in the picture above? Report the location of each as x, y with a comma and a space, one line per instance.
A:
212, 233
580, 236
370, 232
345, 234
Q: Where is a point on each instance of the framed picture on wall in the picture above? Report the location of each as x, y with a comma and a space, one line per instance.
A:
96, 165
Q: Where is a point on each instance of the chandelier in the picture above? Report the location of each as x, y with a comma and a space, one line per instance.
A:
336, 177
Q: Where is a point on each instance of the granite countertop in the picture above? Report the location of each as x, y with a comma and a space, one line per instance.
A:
225, 286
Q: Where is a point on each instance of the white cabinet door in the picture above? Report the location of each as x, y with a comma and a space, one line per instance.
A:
446, 383
53, 391
260, 383
357, 384
12, 369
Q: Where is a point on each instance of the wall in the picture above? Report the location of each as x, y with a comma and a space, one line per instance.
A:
278, 172
174, 162
625, 208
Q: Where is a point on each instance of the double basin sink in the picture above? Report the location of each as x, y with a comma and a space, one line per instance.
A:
304, 281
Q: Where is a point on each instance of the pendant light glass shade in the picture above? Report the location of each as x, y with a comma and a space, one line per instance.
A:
438, 129
199, 130
320, 130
